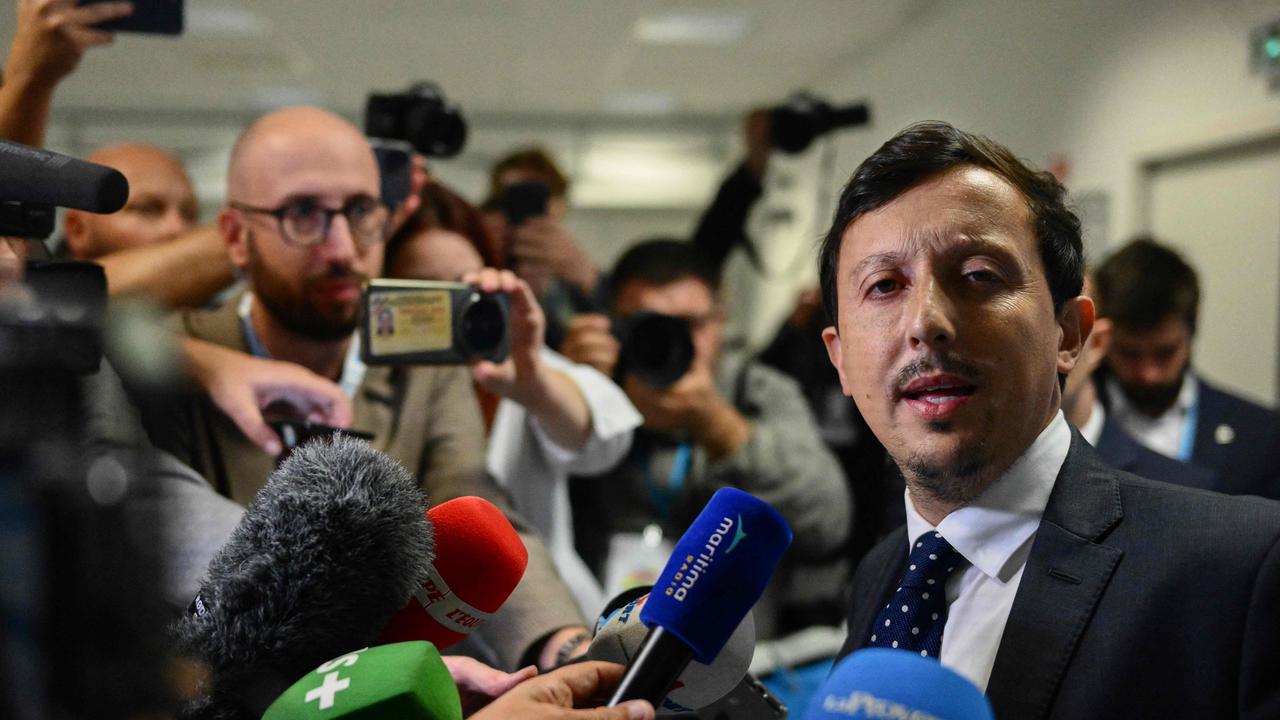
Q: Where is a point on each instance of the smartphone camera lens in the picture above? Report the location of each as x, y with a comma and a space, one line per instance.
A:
483, 324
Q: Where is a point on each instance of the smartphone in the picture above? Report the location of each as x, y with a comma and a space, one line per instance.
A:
155, 17
524, 200
425, 322
750, 700
395, 165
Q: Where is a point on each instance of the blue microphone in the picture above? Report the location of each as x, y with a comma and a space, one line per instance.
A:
716, 573
884, 683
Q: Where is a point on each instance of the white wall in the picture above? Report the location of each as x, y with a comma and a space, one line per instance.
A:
1101, 85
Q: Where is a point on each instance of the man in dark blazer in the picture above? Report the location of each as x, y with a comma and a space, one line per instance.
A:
1061, 587
1151, 295
1084, 409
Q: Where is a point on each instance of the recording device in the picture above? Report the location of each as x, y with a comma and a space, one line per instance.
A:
523, 200
404, 681
716, 573
428, 322
34, 181
655, 348
395, 167
796, 123
325, 554
295, 430
156, 17
882, 683
421, 115
621, 634
479, 561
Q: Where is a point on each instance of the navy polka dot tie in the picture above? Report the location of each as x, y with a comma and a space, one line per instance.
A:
914, 618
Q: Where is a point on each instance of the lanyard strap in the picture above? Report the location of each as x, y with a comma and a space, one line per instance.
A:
1188, 444
663, 497
353, 368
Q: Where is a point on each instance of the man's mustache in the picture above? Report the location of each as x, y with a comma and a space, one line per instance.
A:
933, 364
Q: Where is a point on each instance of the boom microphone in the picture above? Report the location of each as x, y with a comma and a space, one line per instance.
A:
883, 683
405, 681
479, 561
718, 570
621, 634
32, 175
324, 555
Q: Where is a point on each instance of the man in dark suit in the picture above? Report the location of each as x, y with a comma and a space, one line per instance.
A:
1084, 409
1063, 588
1152, 296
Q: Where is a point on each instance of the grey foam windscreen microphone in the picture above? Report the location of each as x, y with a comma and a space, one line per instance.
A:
621, 633
326, 553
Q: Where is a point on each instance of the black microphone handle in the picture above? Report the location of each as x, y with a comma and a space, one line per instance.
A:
656, 667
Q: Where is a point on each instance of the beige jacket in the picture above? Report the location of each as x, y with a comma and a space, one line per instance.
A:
425, 417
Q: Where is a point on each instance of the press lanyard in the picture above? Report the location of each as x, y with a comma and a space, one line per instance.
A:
1189, 432
662, 498
353, 368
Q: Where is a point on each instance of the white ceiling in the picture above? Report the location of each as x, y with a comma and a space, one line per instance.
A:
536, 58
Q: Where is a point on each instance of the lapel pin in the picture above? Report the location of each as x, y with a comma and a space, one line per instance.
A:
1224, 434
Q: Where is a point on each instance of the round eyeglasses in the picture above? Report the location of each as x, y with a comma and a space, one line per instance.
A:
305, 222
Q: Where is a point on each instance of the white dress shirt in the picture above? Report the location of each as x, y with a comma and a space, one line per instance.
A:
535, 470
993, 533
1092, 428
1165, 434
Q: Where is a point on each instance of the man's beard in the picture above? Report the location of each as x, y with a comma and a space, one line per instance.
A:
956, 481
295, 312
1154, 400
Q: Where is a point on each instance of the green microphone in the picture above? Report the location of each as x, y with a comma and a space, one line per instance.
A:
403, 681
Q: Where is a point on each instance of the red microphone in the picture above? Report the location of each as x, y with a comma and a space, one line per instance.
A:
479, 561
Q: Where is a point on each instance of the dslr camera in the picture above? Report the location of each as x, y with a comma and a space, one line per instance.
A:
656, 349
421, 116
796, 123
425, 322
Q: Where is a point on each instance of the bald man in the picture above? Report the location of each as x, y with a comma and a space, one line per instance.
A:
162, 204
304, 224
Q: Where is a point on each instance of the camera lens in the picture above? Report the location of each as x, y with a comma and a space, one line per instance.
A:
657, 349
483, 325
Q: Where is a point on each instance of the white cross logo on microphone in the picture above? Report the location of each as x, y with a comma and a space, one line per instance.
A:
326, 692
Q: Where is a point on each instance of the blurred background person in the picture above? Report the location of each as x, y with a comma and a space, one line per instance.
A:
1084, 409
442, 241
1152, 298
162, 204
725, 420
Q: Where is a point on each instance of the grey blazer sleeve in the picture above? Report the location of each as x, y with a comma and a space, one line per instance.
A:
785, 463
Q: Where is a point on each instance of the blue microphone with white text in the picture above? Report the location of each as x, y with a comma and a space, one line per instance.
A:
883, 683
716, 573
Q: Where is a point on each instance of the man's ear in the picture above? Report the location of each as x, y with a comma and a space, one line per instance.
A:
1075, 322
236, 234
1100, 338
835, 353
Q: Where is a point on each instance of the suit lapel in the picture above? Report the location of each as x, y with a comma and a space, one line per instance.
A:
886, 584
1066, 574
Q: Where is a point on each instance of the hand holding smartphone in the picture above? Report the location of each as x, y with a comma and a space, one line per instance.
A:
154, 17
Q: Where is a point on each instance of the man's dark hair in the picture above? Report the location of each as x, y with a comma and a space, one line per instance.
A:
661, 261
1143, 283
924, 150
534, 160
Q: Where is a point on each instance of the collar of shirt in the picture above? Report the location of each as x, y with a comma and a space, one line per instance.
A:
1188, 395
1092, 428
989, 530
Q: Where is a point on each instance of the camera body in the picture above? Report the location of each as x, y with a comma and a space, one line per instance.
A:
656, 349
795, 124
421, 115
425, 322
